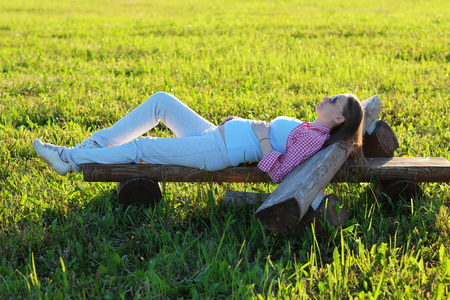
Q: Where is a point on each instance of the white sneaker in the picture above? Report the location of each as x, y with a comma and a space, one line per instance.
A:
88, 144
50, 153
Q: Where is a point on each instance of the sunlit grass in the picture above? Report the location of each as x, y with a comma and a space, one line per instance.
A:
68, 68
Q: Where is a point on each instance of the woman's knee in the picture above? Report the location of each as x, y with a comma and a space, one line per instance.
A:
162, 98
162, 94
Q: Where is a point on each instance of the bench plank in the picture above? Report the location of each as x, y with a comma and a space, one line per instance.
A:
419, 169
171, 173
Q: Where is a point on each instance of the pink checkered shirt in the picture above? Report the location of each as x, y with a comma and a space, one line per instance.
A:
303, 141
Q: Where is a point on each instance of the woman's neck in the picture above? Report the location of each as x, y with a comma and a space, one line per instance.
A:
319, 121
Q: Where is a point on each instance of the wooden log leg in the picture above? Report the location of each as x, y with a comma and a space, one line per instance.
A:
138, 191
281, 217
401, 188
382, 142
239, 199
327, 215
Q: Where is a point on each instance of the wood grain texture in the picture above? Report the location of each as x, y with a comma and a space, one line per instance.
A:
239, 198
166, 173
419, 169
382, 142
291, 199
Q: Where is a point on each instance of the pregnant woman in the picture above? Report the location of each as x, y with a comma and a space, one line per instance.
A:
278, 146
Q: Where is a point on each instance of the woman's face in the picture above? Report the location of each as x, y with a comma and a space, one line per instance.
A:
331, 111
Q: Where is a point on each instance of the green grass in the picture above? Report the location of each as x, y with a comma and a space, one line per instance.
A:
68, 68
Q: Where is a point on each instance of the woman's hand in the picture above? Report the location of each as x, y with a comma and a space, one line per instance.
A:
261, 129
229, 118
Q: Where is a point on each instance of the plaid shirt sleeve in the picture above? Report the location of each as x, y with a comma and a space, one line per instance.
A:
301, 145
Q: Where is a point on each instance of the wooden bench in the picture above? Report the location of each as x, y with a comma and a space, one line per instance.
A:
138, 183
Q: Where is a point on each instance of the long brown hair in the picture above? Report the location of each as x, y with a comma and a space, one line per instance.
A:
351, 128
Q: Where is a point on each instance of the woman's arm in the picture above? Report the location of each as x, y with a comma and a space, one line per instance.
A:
278, 165
261, 130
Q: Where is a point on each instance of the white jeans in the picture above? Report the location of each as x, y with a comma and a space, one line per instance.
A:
198, 144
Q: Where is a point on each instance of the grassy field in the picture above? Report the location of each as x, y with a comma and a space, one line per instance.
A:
68, 68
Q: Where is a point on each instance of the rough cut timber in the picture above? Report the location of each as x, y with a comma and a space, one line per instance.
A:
327, 212
291, 199
138, 191
420, 169
382, 142
171, 173
238, 198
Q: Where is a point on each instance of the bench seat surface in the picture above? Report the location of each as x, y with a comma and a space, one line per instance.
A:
419, 169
